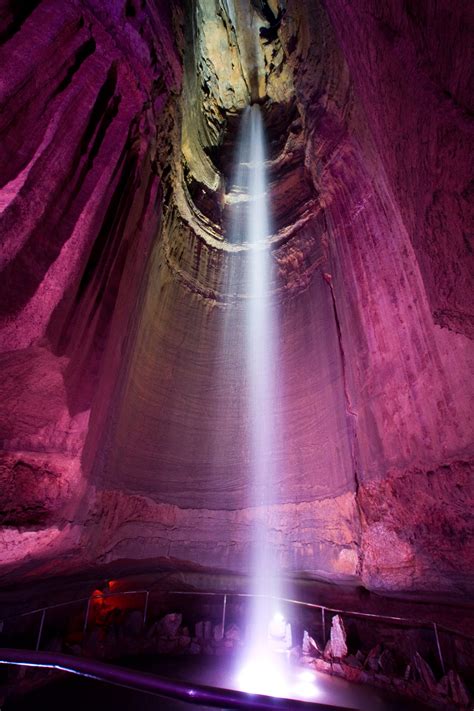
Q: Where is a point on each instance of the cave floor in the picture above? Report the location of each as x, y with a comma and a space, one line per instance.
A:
79, 692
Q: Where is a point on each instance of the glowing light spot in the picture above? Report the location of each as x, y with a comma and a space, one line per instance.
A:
263, 676
271, 675
307, 675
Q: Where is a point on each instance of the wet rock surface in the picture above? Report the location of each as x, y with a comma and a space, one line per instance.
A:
123, 433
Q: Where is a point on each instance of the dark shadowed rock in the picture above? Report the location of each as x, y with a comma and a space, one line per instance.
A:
352, 661
458, 690
169, 625
387, 662
425, 672
133, 623
233, 633
372, 660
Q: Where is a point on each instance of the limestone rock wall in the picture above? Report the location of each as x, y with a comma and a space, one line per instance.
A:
83, 88
415, 86
123, 395
408, 379
180, 434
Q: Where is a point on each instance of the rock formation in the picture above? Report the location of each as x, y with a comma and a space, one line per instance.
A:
123, 421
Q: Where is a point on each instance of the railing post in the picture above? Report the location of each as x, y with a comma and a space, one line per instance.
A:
438, 645
86, 619
145, 610
40, 631
224, 605
323, 619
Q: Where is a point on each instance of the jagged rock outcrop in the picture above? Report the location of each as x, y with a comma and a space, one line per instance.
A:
84, 92
118, 395
440, 529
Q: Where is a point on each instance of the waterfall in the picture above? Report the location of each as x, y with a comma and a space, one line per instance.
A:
261, 349
252, 227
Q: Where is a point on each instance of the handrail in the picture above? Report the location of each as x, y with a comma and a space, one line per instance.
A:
370, 615
143, 681
212, 593
78, 599
97, 596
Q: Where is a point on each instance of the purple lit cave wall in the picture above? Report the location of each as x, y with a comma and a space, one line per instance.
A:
122, 417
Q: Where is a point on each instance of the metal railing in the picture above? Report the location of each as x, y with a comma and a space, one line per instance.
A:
434, 626
349, 613
68, 603
191, 693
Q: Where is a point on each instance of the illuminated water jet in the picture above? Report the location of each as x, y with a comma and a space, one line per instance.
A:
263, 667
262, 346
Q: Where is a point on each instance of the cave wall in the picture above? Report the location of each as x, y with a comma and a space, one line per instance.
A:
84, 89
181, 440
392, 147
119, 401
178, 441
415, 84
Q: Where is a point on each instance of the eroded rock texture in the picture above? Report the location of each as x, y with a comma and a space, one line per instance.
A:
123, 395
84, 88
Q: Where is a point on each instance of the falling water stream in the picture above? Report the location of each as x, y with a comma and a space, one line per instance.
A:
264, 666
261, 348
252, 220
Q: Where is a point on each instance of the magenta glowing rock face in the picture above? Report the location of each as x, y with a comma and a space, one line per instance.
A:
122, 419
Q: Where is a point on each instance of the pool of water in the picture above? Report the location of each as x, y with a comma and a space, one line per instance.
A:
75, 693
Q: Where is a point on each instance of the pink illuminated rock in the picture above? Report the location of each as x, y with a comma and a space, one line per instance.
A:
337, 643
123, 416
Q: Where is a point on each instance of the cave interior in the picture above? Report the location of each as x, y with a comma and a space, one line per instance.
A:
123, 419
